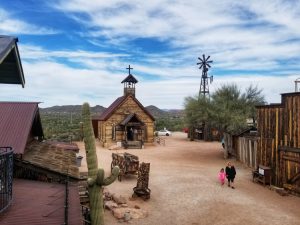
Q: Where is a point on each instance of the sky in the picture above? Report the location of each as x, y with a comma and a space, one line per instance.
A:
77, 51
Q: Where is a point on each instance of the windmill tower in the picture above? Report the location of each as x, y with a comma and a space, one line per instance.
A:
204, 65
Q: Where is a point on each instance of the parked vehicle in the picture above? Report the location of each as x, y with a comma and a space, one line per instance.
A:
164, 132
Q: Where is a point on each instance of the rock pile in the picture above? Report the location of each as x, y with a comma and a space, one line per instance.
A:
117, 204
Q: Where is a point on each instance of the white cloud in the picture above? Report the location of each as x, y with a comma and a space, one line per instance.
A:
246, 36
10, 25
57, 84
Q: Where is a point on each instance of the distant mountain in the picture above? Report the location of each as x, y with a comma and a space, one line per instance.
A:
156, 112
98, 109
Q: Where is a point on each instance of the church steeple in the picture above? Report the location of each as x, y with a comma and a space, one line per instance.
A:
129, 83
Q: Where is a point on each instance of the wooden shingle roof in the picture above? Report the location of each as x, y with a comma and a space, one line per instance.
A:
130, 78
52, 157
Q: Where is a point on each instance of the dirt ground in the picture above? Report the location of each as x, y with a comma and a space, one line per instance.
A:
185, 189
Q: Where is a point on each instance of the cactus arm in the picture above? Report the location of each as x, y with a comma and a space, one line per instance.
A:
112, 177
91, 181
100, 177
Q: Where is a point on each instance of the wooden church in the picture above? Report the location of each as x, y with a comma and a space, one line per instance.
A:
126, 121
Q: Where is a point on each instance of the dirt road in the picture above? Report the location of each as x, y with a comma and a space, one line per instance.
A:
185, 189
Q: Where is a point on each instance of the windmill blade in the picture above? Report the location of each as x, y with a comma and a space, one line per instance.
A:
207, 57
201, 66
203, 57
209, 61
208, 65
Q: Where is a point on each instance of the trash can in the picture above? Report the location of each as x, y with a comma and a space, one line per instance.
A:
78, 160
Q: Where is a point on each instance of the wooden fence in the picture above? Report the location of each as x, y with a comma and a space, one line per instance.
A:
247, 151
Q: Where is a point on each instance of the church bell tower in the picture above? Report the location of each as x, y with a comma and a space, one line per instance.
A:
129, 83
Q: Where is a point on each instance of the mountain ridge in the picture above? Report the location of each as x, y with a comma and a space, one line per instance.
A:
98, 109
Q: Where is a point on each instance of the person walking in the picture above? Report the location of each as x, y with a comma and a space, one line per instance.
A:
230, 174
222, 176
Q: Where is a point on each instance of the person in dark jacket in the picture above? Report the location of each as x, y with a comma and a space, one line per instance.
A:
230, 174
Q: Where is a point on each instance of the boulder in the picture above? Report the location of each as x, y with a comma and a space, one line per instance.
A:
121, 213
119, 199
138, 213
110, 205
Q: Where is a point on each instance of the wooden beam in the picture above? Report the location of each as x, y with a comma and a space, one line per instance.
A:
289, 158
288, 149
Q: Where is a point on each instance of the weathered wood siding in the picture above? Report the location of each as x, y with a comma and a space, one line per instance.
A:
278, 125
246, 151
105, 128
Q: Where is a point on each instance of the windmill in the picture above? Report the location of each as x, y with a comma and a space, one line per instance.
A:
204, 65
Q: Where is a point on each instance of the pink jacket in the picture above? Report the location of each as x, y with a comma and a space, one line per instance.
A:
222, 176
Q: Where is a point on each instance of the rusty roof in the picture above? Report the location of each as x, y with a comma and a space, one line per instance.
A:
116, 104
17, 120
37, 203
51, 157
11, 71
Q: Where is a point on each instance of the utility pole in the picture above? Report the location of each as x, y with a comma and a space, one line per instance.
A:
297, 81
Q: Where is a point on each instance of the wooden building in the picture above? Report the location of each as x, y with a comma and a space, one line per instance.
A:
11, 71
125, 121
279, 140
21, 129
242, 146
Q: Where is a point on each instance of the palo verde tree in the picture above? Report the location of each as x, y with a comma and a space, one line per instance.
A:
197, 110
96, 179
228, 108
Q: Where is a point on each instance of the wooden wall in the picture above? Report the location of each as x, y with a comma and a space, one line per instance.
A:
128, 107
278, 126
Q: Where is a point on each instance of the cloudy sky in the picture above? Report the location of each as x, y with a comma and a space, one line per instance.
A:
77, 50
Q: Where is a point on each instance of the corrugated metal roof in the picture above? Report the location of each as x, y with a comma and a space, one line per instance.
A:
16, 121
37, 203
11, 71
115, 105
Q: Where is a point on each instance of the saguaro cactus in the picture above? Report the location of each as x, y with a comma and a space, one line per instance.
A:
96, 179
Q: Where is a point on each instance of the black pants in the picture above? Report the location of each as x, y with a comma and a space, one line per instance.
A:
230, 179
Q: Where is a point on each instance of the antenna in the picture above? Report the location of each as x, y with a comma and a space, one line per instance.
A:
204, 65
297, 81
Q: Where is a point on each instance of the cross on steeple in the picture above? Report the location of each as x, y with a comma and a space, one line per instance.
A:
129, 68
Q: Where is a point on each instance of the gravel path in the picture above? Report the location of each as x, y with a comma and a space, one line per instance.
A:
185, 189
